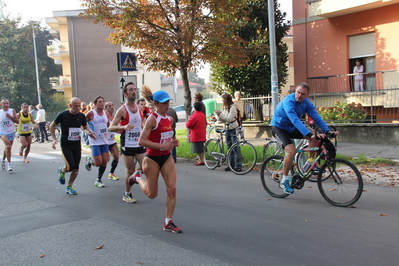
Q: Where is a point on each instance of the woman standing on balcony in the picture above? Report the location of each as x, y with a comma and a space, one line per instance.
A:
358, 70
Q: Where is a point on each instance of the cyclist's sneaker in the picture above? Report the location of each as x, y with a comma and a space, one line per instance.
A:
113, 177
70, 191
171, 227
316, 170
88, 163
99, 183
128, 198
25, 161
133, 177
287, 187
61, 176
9, 167
21, 152
3, 164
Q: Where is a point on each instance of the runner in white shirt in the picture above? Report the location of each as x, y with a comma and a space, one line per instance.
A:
98, 122
113, 147
129, 121
8, 119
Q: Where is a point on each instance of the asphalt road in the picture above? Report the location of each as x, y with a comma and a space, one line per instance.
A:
226, 220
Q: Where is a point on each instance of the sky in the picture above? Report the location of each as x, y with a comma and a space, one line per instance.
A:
40, 9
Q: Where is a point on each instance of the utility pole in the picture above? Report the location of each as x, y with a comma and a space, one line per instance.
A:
37, 69
273, 61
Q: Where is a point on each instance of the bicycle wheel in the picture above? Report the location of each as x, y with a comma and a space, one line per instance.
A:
57, 133
270, 175
273, 147
344, 184
35, 135
244, 152
212, 153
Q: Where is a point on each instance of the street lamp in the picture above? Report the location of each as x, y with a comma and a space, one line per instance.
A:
37, 69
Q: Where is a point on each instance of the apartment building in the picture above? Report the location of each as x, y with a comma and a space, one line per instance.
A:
89, 61
330, 35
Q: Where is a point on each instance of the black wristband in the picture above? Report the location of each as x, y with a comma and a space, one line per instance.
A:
309, 135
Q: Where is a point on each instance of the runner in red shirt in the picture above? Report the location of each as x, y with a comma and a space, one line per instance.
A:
157, 137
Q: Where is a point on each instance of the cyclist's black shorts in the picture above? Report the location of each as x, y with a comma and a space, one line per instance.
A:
285, 136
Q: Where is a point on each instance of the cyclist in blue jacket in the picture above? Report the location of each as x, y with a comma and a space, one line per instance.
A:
286, 124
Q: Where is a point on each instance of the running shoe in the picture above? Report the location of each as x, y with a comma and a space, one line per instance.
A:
61, 176
21, 152
128, 198
9, 167
70, 191
287, 187
3, 164
88, 163
25, 161
171, 227
99, 183
133, 178
113, 177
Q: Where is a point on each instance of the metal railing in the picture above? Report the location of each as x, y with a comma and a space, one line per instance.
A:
380, 96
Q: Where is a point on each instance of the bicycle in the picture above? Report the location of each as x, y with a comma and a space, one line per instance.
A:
210, 127
241, 149
338, 180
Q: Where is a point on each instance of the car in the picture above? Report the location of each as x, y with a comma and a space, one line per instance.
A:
181, 113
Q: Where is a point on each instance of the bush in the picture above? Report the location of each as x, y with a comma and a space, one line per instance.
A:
343, 113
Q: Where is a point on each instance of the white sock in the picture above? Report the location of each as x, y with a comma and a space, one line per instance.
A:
167, 220
286, 177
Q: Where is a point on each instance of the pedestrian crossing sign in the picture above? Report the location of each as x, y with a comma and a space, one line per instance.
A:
126, 61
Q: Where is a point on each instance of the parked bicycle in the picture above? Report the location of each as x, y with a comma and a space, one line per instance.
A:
338, 180
210, 127
214, 152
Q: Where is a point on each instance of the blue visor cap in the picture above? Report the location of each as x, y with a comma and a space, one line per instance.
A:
161, 96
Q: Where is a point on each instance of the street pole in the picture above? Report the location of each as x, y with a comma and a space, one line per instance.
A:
273, 61
37, 69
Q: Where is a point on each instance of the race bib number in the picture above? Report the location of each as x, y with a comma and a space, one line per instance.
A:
111, 136
102, 131
166, 137
6, 124
74, 134
26, 127
133, 135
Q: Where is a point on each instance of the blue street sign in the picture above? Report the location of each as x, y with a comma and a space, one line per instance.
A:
126, 61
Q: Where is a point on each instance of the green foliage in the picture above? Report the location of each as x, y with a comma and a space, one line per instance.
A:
17, 63
343, 113
254, 77
57, 102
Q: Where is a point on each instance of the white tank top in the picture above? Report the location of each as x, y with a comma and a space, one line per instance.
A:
7, 126
99, 126
132, 136
111, 136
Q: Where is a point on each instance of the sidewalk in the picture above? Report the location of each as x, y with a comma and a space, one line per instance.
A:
354, 149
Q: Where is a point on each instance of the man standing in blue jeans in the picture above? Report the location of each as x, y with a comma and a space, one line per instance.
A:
41, 120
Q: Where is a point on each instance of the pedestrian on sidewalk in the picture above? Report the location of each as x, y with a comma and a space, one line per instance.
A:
197, 126
72, 121
41, 120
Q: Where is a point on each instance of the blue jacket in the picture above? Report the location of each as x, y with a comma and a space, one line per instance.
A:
288, 112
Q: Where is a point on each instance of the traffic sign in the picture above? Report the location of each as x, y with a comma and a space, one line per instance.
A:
126, 61
122, 80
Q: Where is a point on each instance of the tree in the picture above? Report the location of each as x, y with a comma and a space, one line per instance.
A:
17, 63
174, 35
254, 77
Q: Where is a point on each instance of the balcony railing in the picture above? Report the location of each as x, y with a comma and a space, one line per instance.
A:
60, 82
58, 49
380, 94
